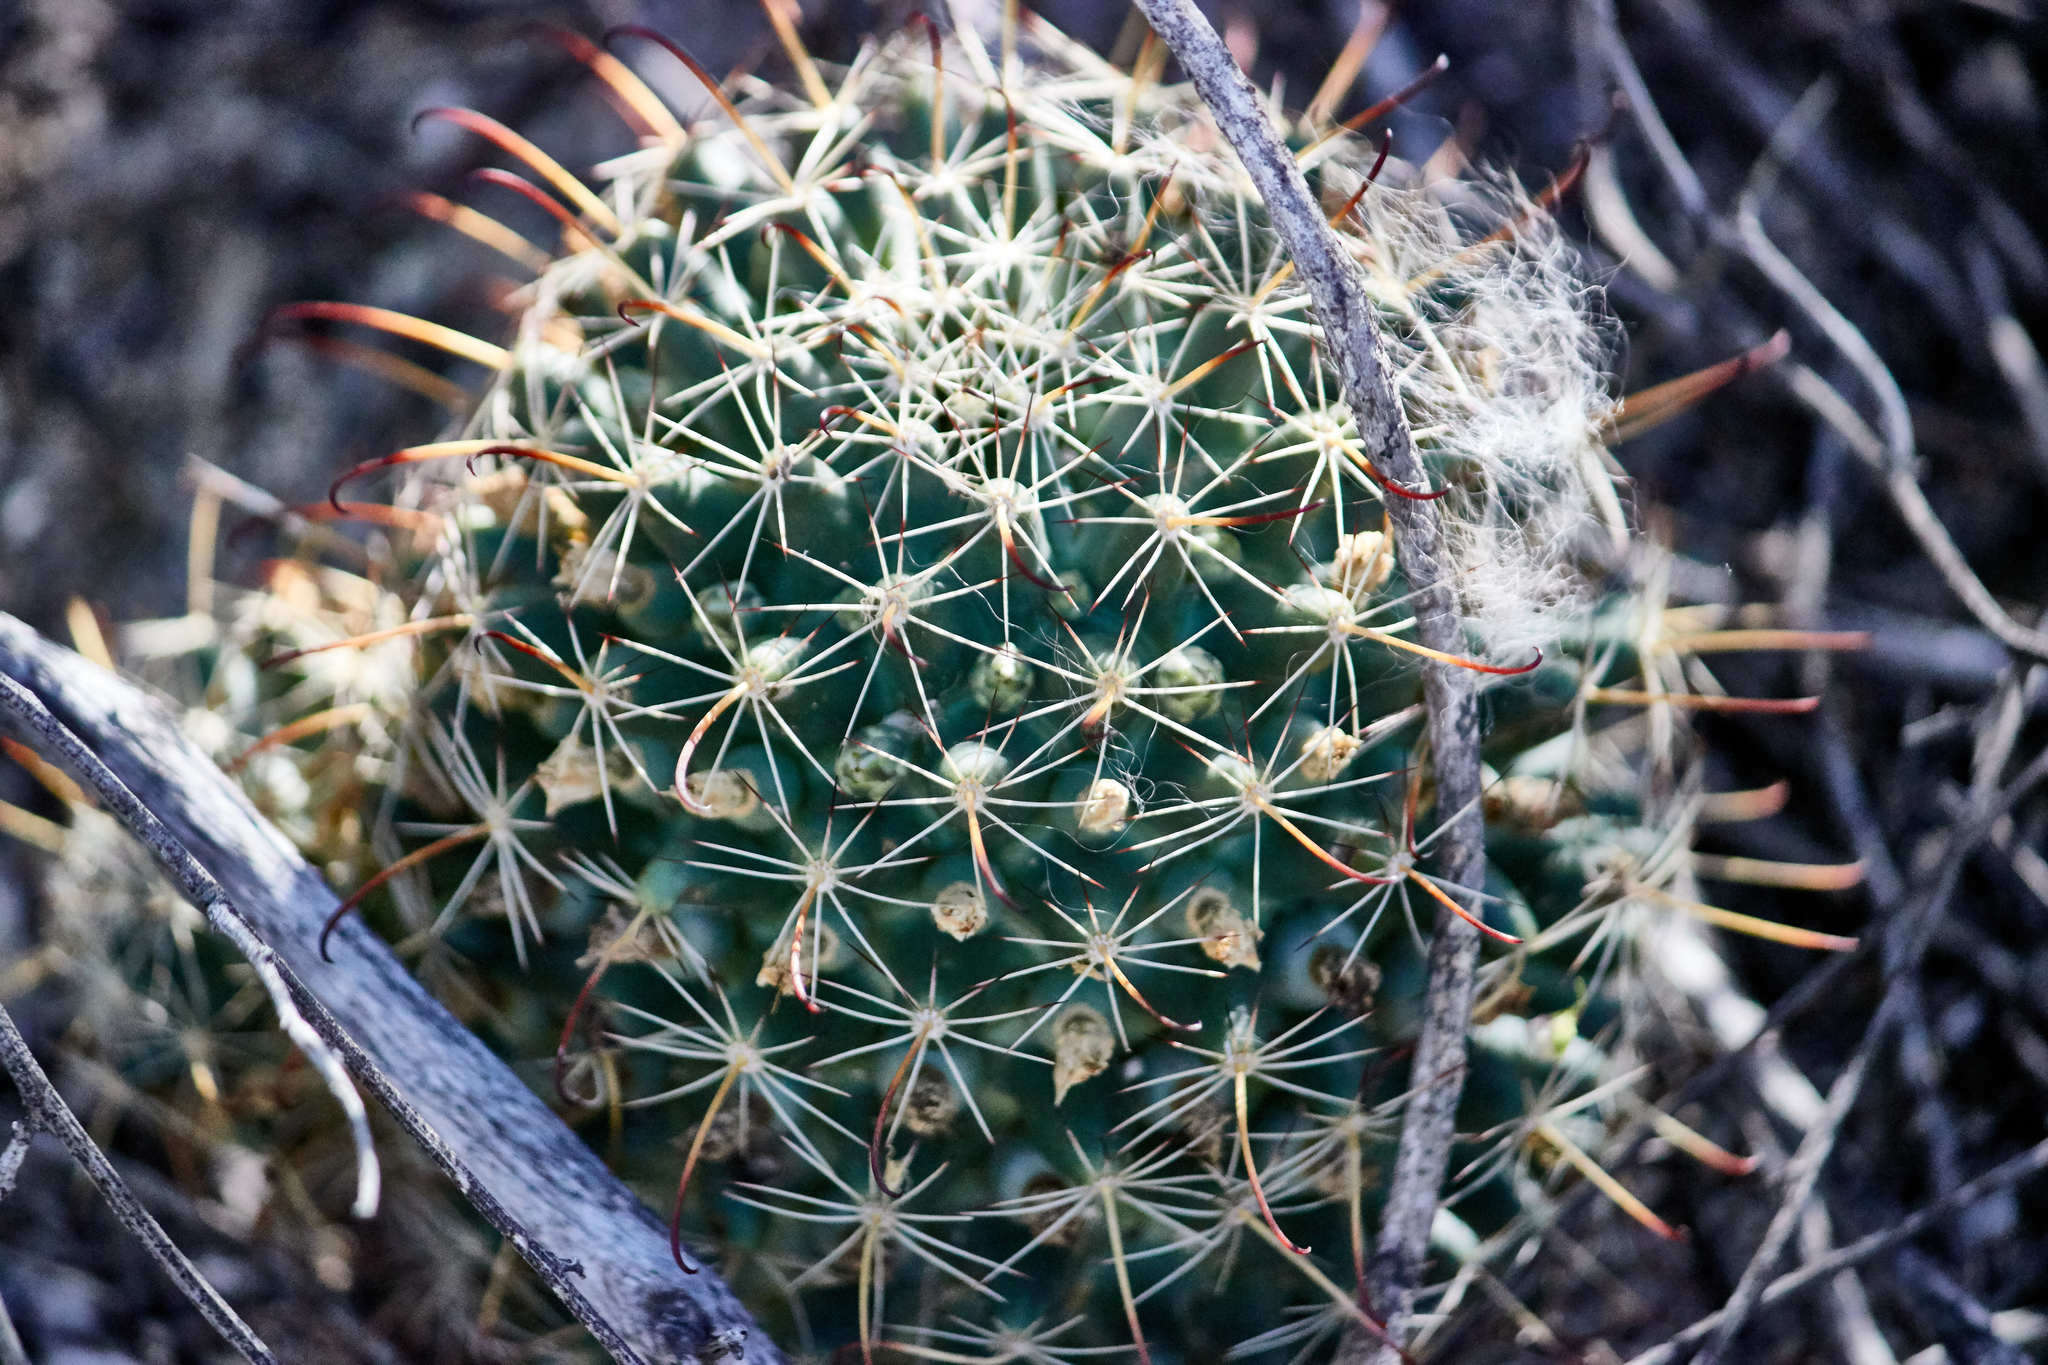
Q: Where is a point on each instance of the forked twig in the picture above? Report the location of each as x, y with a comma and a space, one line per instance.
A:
1999, 1177
13, 1156
596, 1246
12, 1352
1338, 293
1905, 941
1889, 449
28, 717
48, 1113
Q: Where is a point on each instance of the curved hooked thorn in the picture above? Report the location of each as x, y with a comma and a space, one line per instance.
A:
532, 193
397, 324
981, 860
877, 1148
576, 1010
661, 40
1450, 903
831, 267
521, 149
1147, 1006
704, 323
569, 674
713, 87
574, 463
1456, 660
675, 1230
412, 859
1398, 490
702, 728
625, 91
354, 473
1251, 1170
675, 1217
469, 450
809, 999
1504, 670
366, 467
368, 638
334, 922
1009, 540
386, 365
1317, 851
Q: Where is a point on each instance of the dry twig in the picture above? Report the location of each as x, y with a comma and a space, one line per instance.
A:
1905, 940
1842, 1258
591, 1241
35, 725
1889, 449
1338, 293
48, 1113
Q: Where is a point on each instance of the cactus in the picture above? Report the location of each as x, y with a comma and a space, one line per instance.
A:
909, 650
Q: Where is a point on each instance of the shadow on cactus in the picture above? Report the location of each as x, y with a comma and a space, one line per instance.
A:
908, 646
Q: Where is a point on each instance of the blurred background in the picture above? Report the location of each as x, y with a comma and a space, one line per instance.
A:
1861, 173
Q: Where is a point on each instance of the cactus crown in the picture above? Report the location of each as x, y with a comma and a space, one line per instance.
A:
911, 617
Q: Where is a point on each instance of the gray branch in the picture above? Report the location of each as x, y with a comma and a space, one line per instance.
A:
1863, 1249
28, 718
1905, 940
48, 1113
12, 1352
596, 1246
13, 1156
1338, 292
1889, 449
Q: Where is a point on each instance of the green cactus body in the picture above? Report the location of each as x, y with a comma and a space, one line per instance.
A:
912, 606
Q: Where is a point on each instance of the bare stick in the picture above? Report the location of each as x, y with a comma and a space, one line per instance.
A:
1338, 292
48, 1113
1893, 460
11, 1159
28, 718
590, 1240
1905, 941
12, 1352
1891, 454
2006, 1173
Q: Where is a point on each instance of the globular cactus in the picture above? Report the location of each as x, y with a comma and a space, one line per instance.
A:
909, 645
